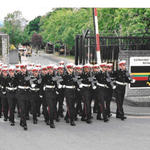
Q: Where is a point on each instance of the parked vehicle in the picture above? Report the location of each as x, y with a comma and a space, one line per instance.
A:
49, 48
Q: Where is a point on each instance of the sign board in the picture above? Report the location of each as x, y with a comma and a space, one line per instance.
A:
140, 71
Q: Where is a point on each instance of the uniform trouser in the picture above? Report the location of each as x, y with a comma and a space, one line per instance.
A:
86, 98
44, 107
108, 101
95, 100
0, 104
38, 106
50, 95
101, 93
78, 102
23, 98
70, 102
34, 97
5, 105
60, 99
119, 94
11, 97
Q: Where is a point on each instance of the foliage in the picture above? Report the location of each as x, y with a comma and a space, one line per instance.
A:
36, 40
63, 24
13, 25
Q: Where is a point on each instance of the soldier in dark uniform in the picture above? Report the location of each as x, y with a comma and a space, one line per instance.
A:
18, 71
0, 93
78, 97
110, 90
50, 94
3, 80
44, 72
35, 82
122, 77
103, 83
85, 87
39, 102
11, 88
96, 69
60, 95
23, 94
69, 93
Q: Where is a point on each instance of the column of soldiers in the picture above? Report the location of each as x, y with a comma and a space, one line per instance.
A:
35, 89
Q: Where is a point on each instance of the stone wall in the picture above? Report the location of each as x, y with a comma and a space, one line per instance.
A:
125, 55
5, 47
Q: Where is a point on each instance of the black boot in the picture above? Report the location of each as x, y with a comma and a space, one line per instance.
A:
109, 115
47, 122
52, 124
57, 119
21, 124
25, 127
83, 119
27, 117
35, 121
88, 121
106, 119
99, 117
5, 119
72, 123
12, 123
66, 119
123, 118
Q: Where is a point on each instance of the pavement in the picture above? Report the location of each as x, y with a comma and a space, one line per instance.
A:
130, 134
132, 110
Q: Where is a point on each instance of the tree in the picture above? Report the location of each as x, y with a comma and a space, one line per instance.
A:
14, 25
37, 41
33, 26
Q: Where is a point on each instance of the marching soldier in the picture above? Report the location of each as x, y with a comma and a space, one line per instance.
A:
78, 72
60, 96
103, 83
44, 72
110, 90
3, 80
50, 94
122, 77
23, 94
35, 82
96, 69
85, 87
11, 88
0, 93
69, 93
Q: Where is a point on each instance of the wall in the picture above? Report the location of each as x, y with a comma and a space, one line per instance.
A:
125, 55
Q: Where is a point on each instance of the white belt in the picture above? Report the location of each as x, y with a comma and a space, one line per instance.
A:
23, 87
34, 89
1, 86
50, 86
120, 83
86, 85
102, 85
70, 87
11, 88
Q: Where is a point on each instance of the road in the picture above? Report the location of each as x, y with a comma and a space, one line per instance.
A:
131, 134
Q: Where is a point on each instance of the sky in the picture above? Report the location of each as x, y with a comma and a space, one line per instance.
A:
33, 8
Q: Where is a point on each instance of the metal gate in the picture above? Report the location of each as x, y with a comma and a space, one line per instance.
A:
85, 47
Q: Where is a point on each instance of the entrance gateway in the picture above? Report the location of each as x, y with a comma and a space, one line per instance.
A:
136, 52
